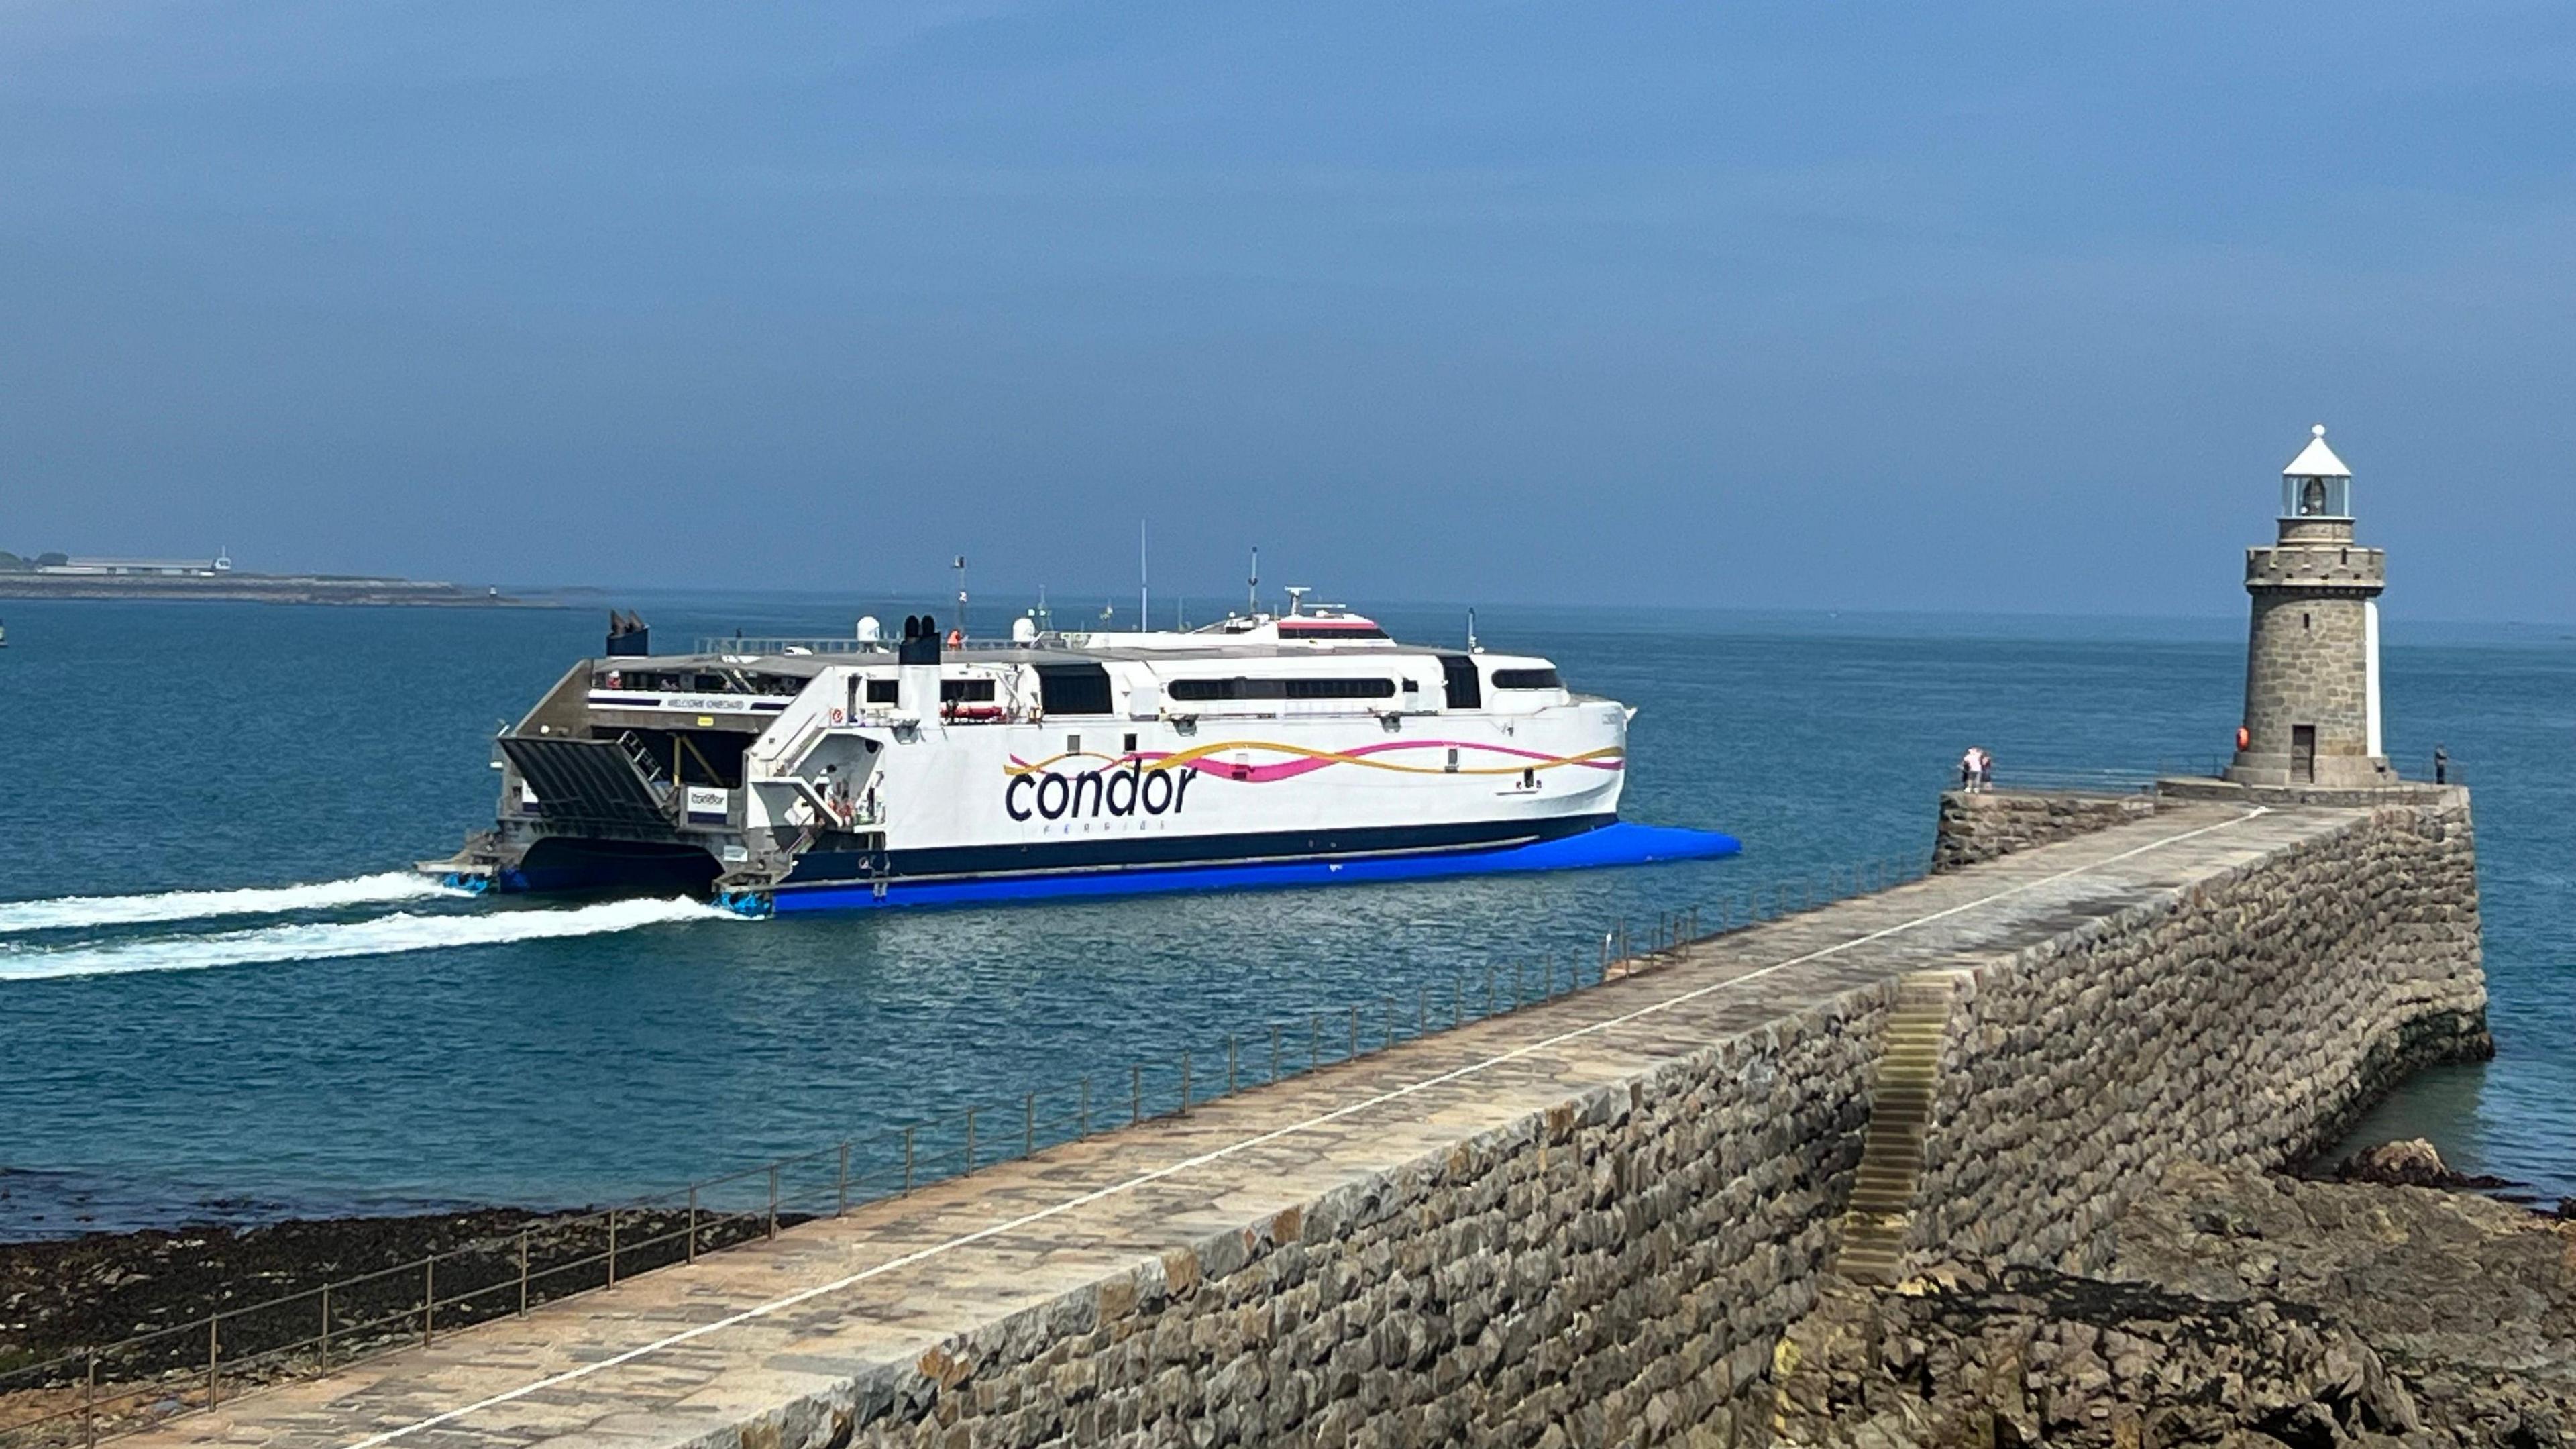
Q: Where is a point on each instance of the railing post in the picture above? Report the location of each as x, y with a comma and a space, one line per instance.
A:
523, 1272
773, 1202
1274, 1051
1085, 1118
1135, 1093
612, 1247
1355, 1034
1421, 1010
1457, 998
89, 1397
1029, 1125
1389, 1003
1546, 977
326, 1325
1229, 1064
907, 1160
428, 1299
841, 1182
1314, 1040
212, 1341
1489, 991
693, 1221
1185, 1081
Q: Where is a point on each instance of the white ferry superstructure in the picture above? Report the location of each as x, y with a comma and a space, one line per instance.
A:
792, 775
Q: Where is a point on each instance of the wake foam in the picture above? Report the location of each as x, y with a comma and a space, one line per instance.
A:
383, 936
71, 913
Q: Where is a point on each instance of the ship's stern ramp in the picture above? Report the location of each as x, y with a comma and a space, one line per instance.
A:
589, 782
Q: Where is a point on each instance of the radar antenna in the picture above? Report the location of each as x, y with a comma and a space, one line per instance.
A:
1296, 595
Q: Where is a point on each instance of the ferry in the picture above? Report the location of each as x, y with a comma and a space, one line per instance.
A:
1306, 746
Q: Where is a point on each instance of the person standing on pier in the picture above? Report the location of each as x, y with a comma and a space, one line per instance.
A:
2441, 766
1976, 769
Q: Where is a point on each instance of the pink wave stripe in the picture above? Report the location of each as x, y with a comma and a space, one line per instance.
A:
1290, 769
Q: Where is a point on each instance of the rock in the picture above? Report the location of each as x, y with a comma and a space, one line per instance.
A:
2412, 1163
2236, 1308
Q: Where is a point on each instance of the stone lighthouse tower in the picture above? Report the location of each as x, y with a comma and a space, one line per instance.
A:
2312, 661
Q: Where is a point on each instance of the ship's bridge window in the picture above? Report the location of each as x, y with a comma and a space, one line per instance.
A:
966, 691
1196, 690
1527, 679
882, 691
1335, 630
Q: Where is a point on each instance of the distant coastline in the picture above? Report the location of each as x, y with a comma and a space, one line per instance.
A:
58, 576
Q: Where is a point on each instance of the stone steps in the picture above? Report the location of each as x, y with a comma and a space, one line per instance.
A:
1881, 1211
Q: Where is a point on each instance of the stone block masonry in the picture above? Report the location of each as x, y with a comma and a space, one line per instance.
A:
1983, 825
1586, 1223
2244, 1025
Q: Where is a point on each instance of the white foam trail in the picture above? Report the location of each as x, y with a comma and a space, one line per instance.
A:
385, 935
85, 912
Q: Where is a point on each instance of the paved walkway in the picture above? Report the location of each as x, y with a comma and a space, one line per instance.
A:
687, 1351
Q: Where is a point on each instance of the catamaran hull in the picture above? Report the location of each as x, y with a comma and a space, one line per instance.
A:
1590, 843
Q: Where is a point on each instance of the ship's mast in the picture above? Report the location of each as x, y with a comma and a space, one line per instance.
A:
1252, 585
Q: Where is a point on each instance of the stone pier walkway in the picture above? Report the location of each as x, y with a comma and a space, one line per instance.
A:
689, 1354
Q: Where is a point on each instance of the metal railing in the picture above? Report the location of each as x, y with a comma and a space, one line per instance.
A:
100, 1391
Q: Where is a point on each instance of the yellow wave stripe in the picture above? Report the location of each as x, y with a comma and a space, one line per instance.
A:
1200, 752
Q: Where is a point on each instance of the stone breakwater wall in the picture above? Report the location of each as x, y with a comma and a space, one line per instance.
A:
1615, 1269
1991, 823
1619, 1268
2247, 1025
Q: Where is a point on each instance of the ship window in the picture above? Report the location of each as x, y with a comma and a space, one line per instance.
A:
881, 691
1073, 689
1241, 688
967, 691
1330, 631
1458, 672
1527, 679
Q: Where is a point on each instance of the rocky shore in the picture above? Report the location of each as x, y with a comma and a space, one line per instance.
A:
2236, 1308
141, 1299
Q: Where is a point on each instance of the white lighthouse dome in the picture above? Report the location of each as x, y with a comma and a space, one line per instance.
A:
2316, 460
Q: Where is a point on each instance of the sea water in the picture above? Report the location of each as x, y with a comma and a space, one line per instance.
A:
221, 997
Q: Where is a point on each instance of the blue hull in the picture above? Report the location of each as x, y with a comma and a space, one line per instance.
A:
1618, 844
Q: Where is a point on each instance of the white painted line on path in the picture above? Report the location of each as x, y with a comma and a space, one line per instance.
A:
807, 1295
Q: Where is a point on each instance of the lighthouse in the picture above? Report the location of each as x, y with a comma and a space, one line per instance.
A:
2312, 655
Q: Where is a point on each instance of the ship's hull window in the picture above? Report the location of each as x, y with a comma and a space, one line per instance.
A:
1527, 679
1073, 688
1458, 673
1201, 690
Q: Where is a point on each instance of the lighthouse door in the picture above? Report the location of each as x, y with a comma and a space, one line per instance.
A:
2303, 754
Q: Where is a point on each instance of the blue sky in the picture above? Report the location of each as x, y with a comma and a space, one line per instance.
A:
1837, 306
